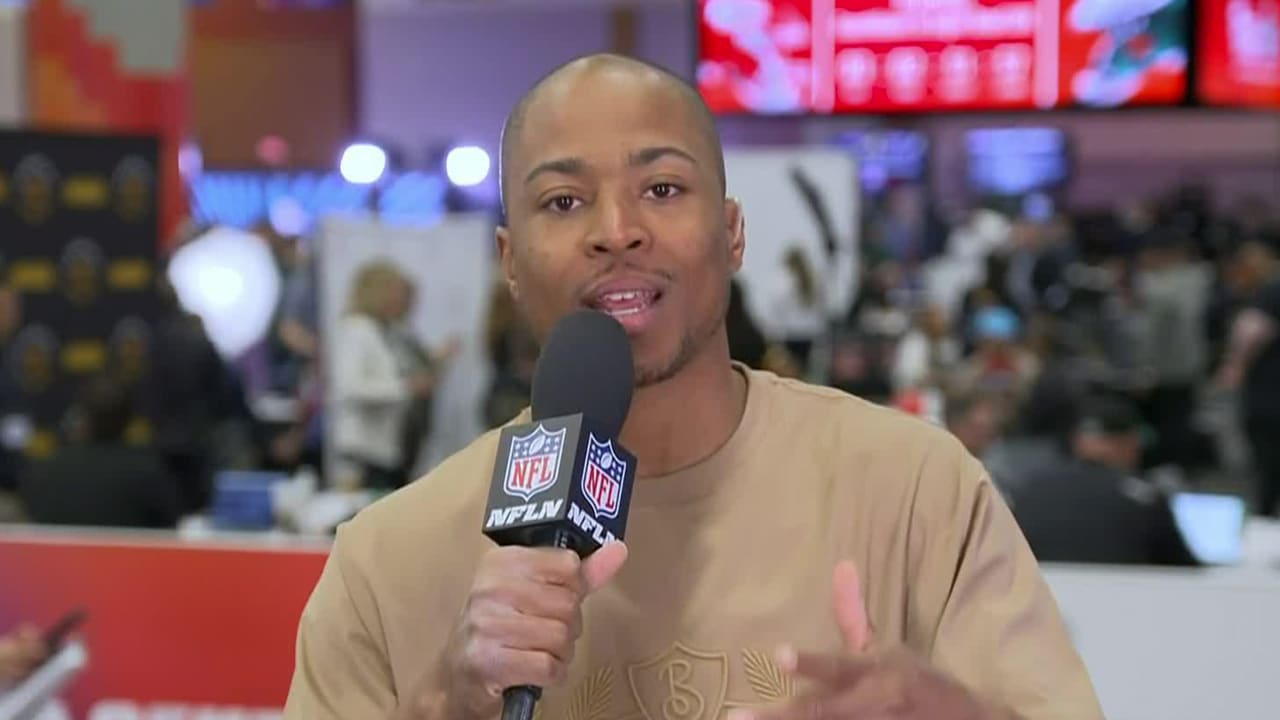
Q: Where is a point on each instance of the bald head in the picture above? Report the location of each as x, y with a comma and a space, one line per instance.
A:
608, 67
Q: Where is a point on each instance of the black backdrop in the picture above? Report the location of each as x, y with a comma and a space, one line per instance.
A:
79, 241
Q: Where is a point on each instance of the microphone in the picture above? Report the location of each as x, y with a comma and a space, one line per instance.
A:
563, 480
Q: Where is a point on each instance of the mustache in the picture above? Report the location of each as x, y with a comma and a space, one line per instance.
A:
616, 268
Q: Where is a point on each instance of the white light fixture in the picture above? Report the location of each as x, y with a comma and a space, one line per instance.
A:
229, 279
363, 163
467, 166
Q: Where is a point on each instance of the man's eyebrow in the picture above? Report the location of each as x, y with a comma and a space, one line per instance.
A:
650, 155
563, 166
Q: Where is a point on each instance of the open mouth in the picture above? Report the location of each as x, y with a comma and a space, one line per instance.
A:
625, 303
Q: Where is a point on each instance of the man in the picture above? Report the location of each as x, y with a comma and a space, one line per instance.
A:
1252, 363
14, 424
767, 513
100, 480
1093, 509
1174, 292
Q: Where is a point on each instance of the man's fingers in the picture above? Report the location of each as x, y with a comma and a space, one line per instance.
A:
829, 669
546, 601
851, 607
599, 569
531, 633
545, 566
504, 667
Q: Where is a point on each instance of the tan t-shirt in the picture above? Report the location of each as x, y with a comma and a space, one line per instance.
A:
729, 559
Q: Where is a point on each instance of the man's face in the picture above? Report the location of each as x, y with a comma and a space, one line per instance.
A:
614, 203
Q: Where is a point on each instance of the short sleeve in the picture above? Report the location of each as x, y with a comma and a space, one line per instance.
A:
342, 669
999, 632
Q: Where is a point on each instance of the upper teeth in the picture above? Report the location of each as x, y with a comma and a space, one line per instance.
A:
623, 296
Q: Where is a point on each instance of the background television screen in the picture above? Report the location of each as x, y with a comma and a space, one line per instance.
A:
1211, 525
1239, 52
838, 56
1011, 162
887, 156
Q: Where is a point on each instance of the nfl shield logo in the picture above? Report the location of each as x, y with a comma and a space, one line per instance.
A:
603, 477
533, 462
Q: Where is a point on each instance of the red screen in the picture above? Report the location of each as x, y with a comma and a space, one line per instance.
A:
836, 56
1240, 52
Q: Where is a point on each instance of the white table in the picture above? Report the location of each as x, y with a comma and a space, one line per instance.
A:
1180, 644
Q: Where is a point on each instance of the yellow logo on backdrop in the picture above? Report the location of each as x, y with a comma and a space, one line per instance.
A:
33, 275
132, 181
34, 191
82, 265
85, 192
4, 190
129, 274
138, 431
130, 348
41, 444
35, 350
84, 356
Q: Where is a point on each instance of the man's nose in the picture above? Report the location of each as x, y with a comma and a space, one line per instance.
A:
618, 227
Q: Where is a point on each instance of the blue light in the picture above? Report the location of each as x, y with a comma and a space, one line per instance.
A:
246, 199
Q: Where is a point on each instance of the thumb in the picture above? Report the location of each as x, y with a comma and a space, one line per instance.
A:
603, 564
850, 607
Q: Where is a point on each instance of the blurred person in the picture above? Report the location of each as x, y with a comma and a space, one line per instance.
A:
614, 189
910, 232
21, 652
747, 343
863, 352
798, 312
99, 479
14, 423
977, 420
926, 354
1094, 509
1252, 362
1173, 296
193, 393
418, 360
1000, 363
377, 389
513, 351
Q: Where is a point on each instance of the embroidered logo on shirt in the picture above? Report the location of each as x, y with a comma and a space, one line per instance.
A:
680, 684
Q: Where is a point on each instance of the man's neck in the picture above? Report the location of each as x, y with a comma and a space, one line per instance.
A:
679, 422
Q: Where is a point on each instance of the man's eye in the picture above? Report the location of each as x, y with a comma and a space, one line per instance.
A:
562, 203
663, 191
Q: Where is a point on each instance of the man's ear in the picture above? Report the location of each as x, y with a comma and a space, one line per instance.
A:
735, 229
506, 258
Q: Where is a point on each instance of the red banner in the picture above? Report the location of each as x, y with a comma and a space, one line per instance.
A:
1239, 52
179, 630
835, 56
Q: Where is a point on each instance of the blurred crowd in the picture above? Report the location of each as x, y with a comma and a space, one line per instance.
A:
1133, 350
1133, 344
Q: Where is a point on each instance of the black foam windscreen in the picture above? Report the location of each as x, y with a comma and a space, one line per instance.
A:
585, 367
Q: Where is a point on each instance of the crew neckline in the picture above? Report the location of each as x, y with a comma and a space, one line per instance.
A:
704, 477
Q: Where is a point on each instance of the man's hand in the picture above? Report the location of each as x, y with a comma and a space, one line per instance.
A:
869, 682
20, 653
518, 627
